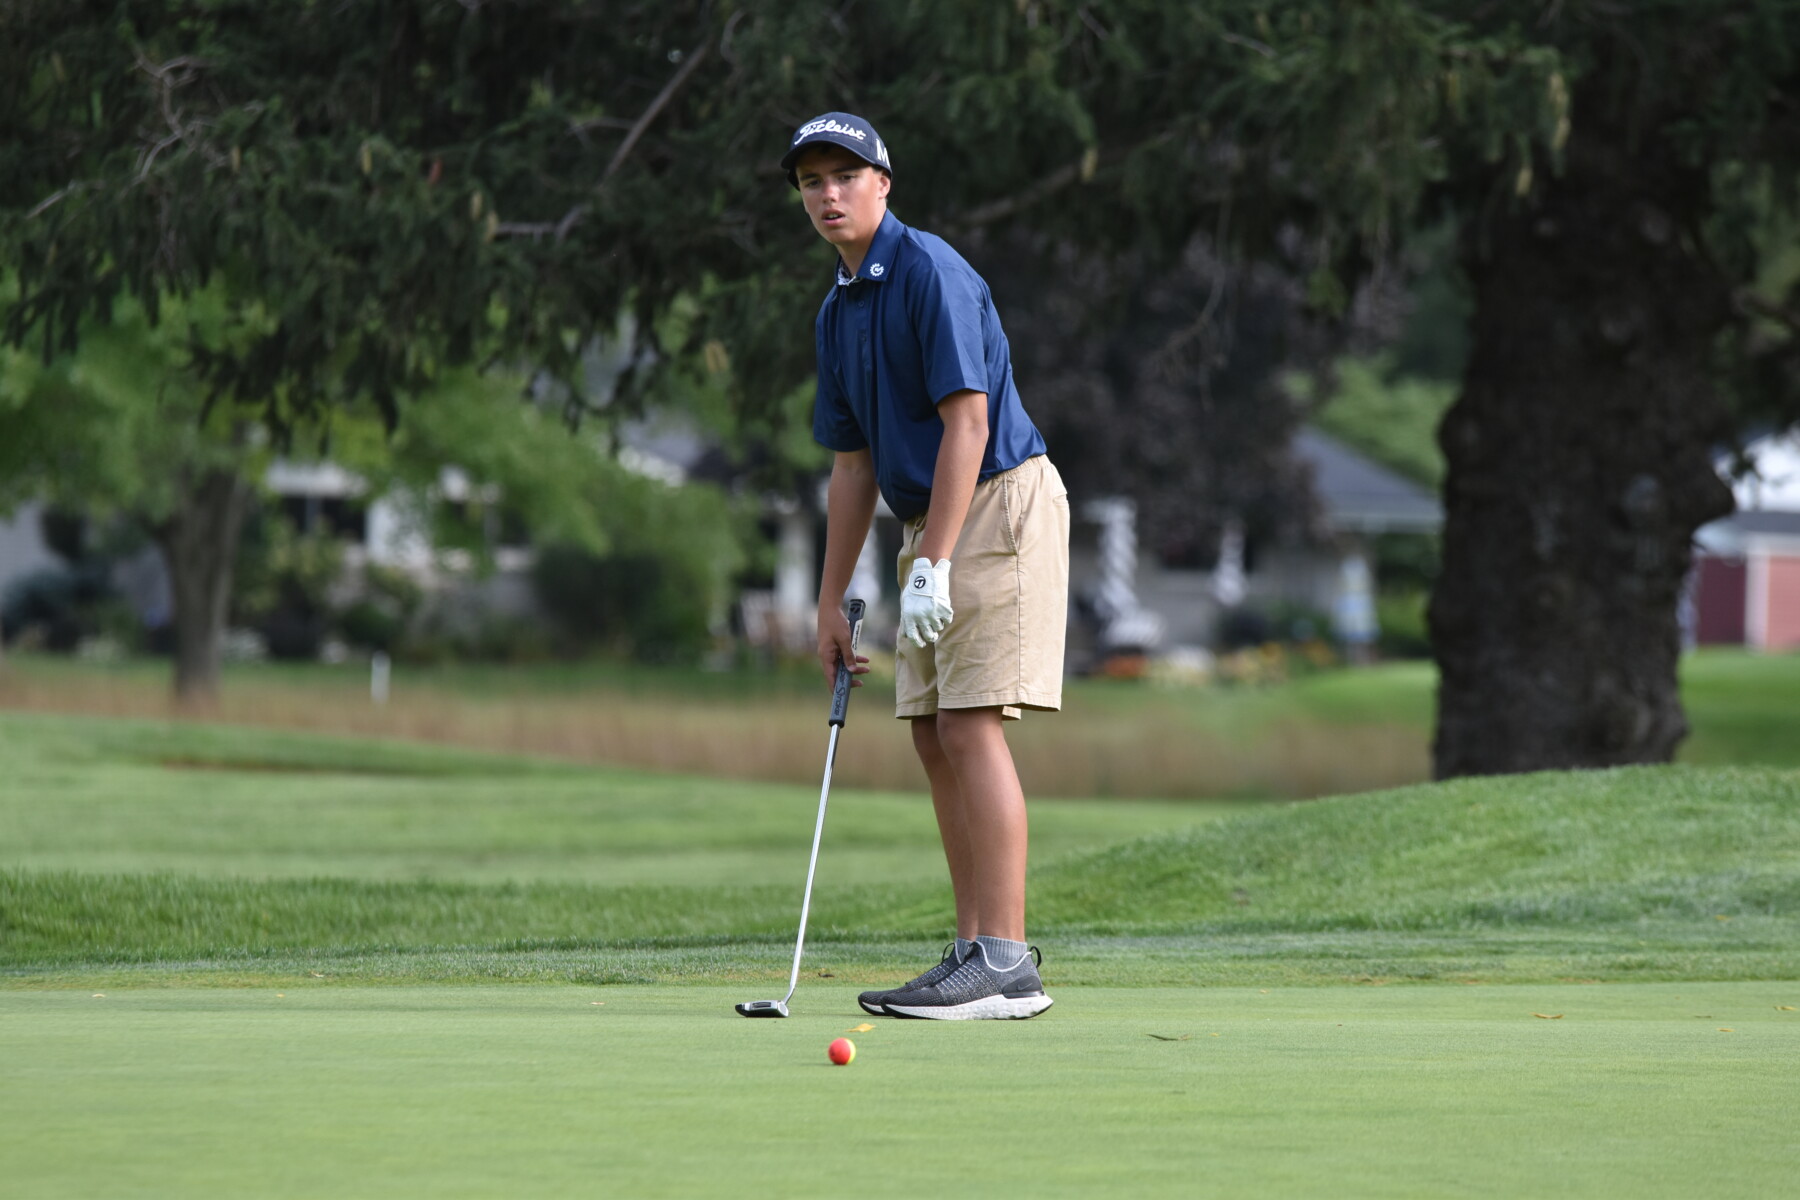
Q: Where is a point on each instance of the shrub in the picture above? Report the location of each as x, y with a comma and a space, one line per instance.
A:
653, 592
378, 619
283, 582
639, 605
1400, 613
58, 605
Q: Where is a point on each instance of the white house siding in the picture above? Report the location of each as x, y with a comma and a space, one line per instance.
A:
22, 548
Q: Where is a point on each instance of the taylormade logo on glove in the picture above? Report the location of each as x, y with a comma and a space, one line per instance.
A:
925, 604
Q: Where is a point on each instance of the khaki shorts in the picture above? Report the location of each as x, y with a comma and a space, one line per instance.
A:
1009, 587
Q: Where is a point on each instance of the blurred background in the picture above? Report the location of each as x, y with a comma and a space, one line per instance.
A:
1424, 378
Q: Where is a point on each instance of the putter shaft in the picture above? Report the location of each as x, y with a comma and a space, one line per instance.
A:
840, 702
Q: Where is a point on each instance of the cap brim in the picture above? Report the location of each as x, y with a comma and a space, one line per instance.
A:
793, 156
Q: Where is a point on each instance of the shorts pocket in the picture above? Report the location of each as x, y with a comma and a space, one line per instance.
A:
1011, 512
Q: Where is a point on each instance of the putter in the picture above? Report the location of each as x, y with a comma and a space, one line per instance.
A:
840, 705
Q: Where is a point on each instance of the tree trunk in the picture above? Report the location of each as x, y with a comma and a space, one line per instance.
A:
199, 545
1580, 466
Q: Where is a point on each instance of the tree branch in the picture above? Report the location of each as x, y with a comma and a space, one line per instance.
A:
55, 198
176, 73
656, 106
1262, 48
1006, 206
649, 115
1081, 169
526, 228
1749, 302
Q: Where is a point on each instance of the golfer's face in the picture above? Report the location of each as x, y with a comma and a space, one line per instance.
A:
845, 197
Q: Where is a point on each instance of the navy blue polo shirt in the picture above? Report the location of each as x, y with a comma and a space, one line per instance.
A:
915, 324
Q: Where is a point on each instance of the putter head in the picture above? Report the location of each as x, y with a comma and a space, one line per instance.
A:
762, 1008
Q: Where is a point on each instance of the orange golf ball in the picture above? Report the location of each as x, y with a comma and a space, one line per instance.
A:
842, 1051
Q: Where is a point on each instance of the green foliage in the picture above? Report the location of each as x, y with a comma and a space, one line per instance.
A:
284, 568
1409, 561
658, 591
510, 450
1392, 419
1433, 344
393, 192
424, 184
122, 426
283, 584
1400, 615
379, 617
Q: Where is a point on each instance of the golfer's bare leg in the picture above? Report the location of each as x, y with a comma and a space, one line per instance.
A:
993, 811
946, 800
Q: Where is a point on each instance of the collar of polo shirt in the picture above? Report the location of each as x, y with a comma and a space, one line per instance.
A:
878, 263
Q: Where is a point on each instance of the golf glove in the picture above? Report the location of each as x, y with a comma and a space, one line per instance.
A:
925, 606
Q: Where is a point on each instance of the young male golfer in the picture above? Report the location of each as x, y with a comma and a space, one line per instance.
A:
916, 398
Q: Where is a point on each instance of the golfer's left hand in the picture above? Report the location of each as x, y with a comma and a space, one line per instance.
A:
835, 647
925, 610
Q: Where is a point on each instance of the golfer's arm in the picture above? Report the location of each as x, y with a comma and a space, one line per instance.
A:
849, 508
958, 465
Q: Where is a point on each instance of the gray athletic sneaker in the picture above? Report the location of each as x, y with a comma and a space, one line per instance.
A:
871, 1001
977, 991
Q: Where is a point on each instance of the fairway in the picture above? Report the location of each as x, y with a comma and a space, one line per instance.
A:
1632, 1090
137, 796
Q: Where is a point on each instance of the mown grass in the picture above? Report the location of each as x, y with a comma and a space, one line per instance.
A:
131, 797
213, 940
521, 870
1560, 848
1743, 708
1641, 1090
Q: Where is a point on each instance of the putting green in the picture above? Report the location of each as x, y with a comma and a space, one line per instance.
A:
1641, 1090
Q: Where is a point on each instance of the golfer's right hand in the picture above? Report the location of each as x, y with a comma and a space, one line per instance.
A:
925, 609
835, 647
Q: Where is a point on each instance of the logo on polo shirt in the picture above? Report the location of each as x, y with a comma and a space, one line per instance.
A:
876, 270
830, 126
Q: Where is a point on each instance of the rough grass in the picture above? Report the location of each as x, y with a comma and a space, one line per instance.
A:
1113, 740
1328, 734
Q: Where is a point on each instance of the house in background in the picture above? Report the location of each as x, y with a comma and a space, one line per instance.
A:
1745, 586
1333, 575
1124, 602
386, 531
22, 546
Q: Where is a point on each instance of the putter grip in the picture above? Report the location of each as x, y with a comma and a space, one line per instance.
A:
840, 692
